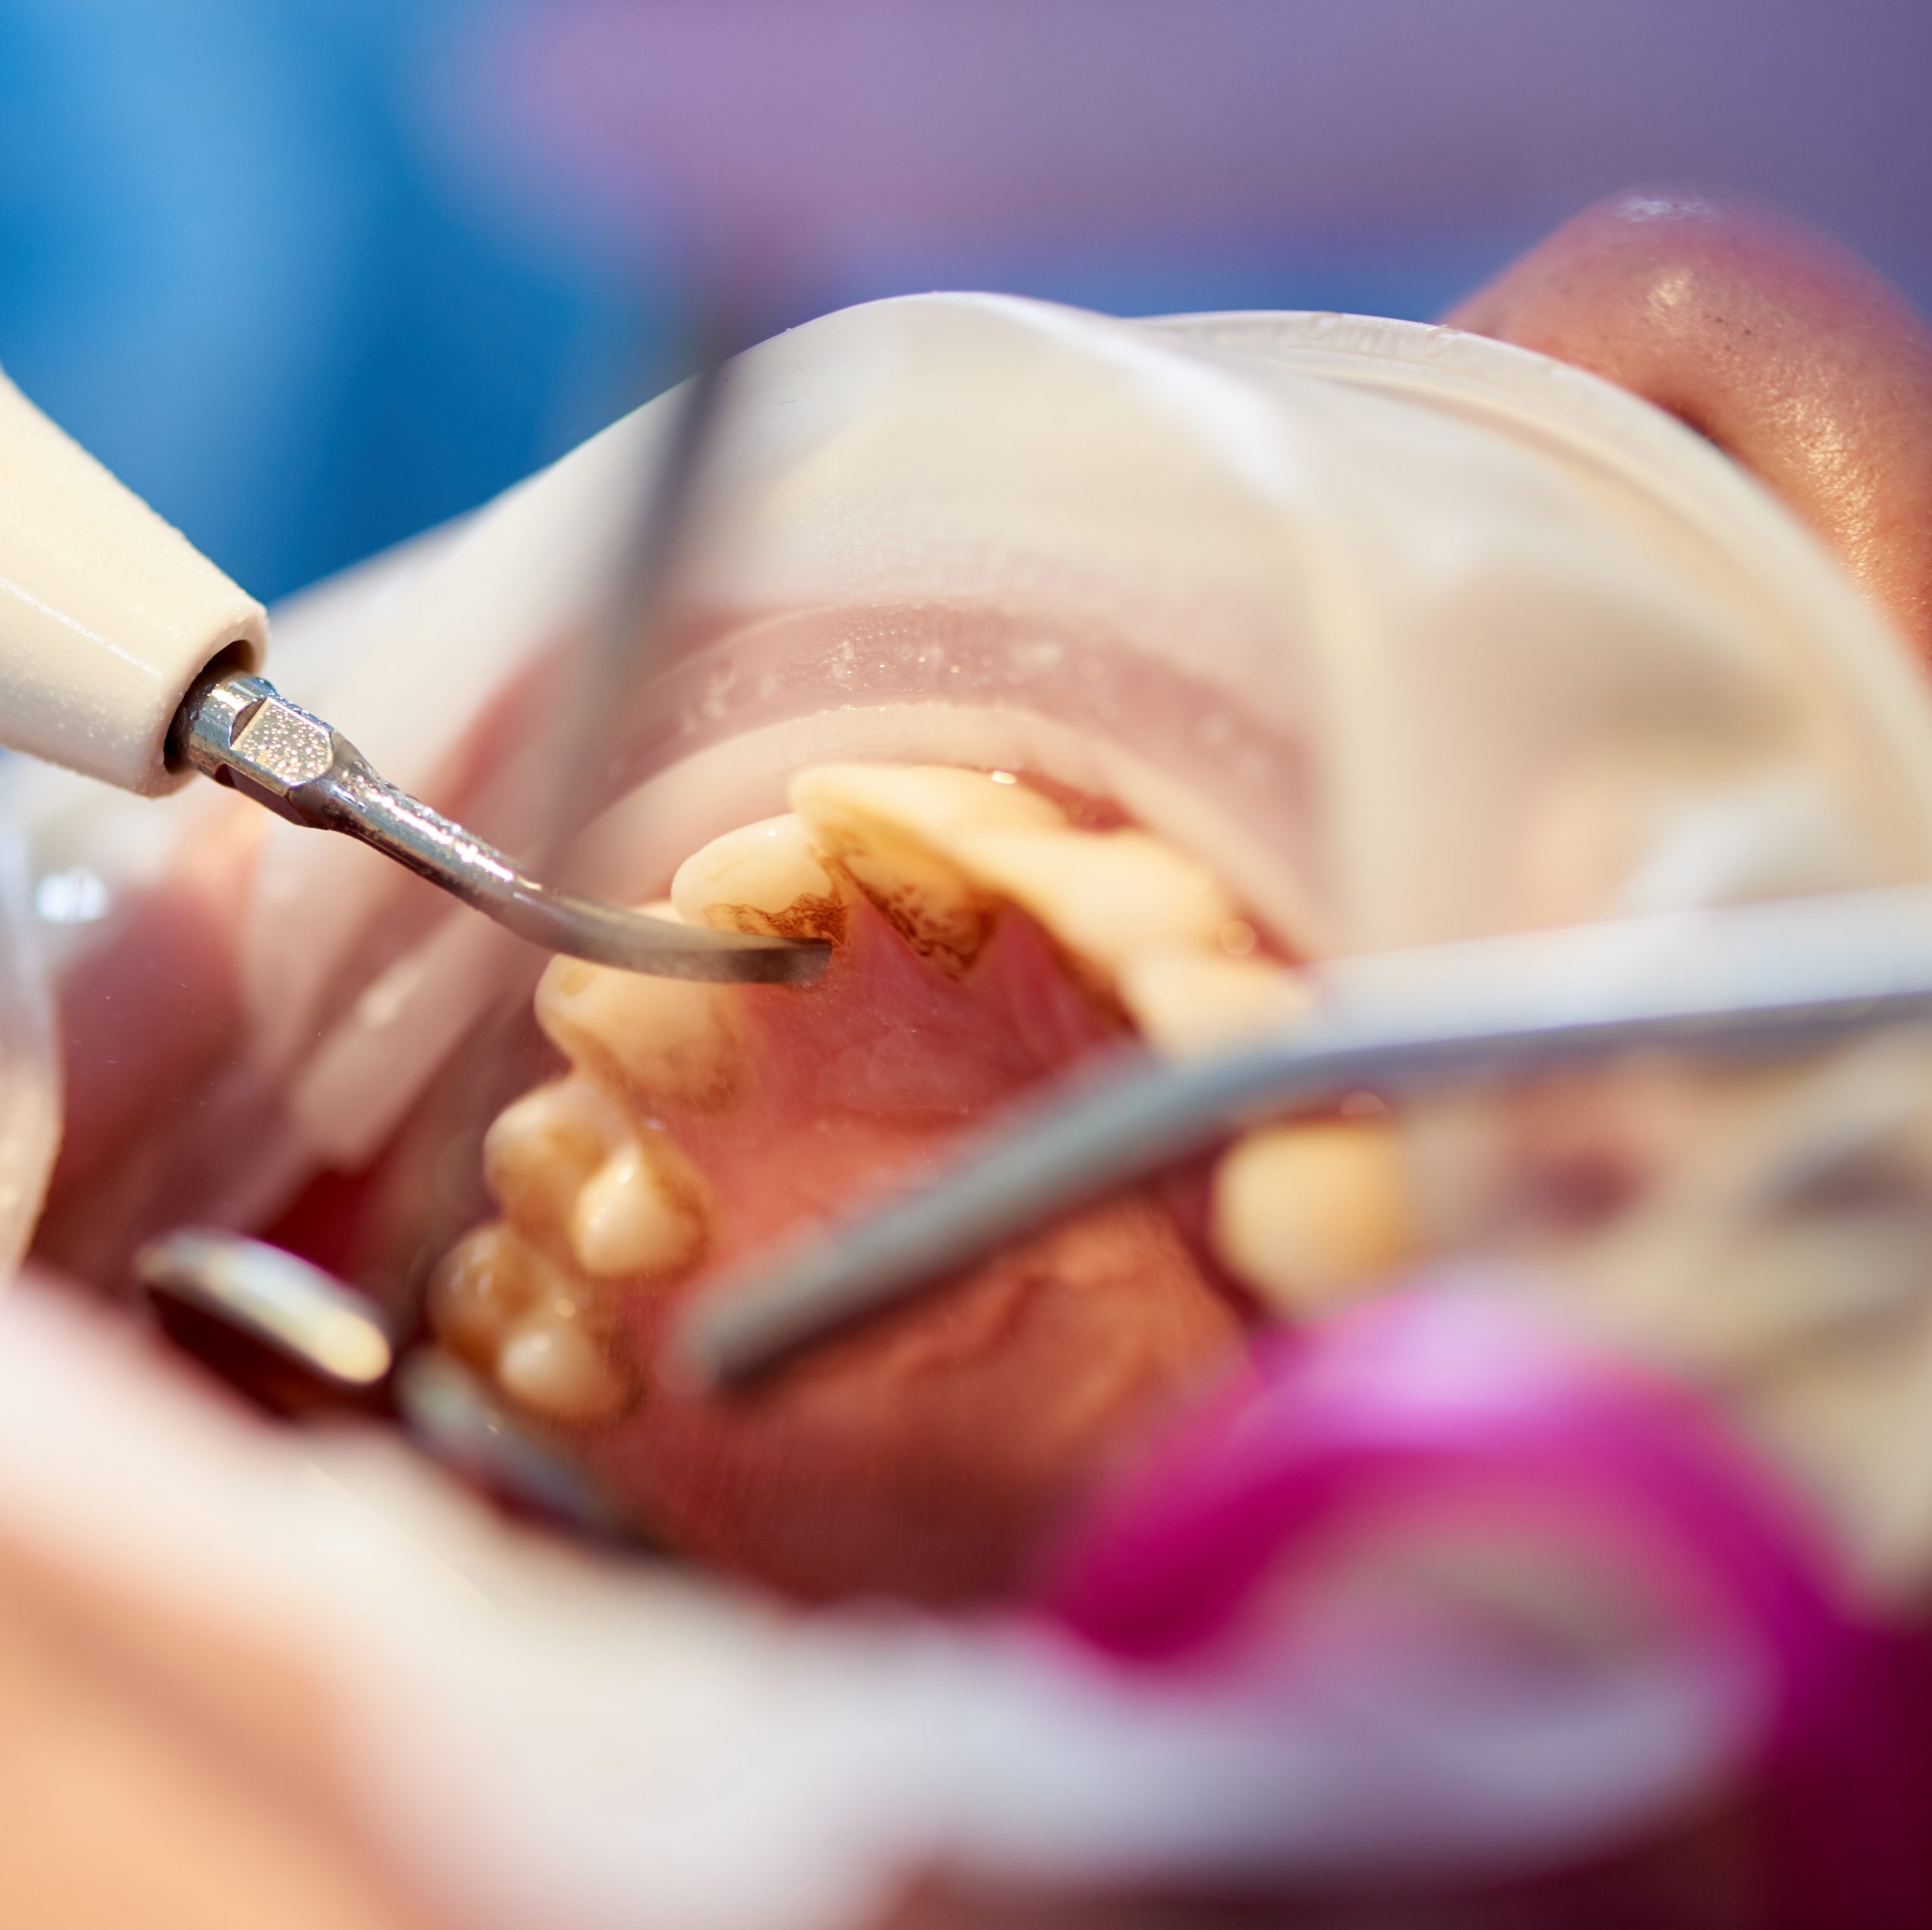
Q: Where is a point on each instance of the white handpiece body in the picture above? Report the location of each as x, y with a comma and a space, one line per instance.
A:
108, 614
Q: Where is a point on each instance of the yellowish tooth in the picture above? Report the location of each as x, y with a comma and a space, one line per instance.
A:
935, 804
642, 1212
1312, 1216
1188, 1002
550, 1364
763, 878
1110, 897
541, 1148
483, 1284
673, 1041
896, 830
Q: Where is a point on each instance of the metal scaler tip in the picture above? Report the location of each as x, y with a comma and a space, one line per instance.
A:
242, 732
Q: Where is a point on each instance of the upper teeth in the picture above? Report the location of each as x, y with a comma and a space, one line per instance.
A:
593, 1191
540, 1150
762, 877
498, 1301
939, 849
897, 831
570, 1167
550, 1363
641, 1212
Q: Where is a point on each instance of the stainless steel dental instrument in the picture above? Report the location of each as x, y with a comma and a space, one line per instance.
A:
307, 1316
304, 1315
1757, 980
453, 1418
243, 731
126, 656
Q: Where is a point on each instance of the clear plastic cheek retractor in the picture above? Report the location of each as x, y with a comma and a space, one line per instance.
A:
125, 655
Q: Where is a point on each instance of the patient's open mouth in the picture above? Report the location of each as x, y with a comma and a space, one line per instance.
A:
987, 936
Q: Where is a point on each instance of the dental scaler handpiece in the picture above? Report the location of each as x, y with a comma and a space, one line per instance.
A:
126, 656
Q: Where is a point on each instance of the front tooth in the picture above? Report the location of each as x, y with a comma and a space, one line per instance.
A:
541, 1148
550, 1364
641, 1212
1110, 897
896, 831
1189, 1003
668, 1040
763, 878
1311, 1216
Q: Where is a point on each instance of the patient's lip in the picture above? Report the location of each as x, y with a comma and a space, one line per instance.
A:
1785, 348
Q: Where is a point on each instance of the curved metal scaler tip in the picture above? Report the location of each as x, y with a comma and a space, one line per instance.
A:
242, 732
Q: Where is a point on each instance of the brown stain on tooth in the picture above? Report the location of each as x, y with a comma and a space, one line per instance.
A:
765, 879
942, 851
896, 830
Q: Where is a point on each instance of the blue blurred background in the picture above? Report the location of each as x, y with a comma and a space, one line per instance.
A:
313, 274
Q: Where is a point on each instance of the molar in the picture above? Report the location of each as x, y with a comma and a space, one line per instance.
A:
571, 1169
897, 831
1313, 1215
763, 878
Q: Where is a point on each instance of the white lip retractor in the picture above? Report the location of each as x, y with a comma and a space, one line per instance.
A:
126, 656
